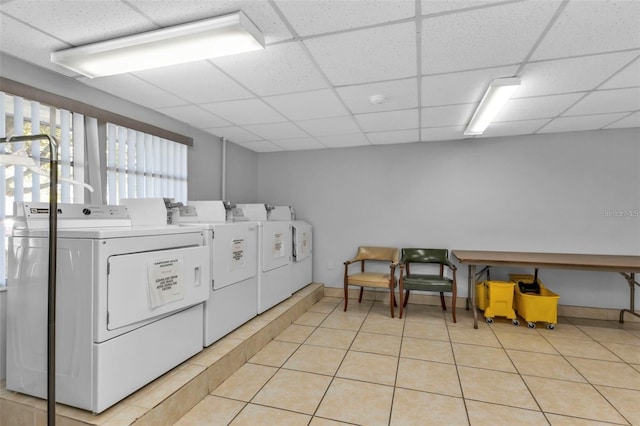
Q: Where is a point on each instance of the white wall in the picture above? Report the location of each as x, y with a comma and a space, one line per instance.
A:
3, 334
533, 193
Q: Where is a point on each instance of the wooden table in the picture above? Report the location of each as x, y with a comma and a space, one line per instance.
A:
627, 266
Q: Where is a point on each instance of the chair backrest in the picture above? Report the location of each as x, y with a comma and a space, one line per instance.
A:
390, 254
422, 255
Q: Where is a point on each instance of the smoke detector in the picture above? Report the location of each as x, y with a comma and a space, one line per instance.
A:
377, 99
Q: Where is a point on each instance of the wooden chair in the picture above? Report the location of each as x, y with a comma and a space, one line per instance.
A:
367, 255
427, 282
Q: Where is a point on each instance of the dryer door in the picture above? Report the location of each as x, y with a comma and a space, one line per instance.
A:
276, 244
301, 240
144, 285
235, 253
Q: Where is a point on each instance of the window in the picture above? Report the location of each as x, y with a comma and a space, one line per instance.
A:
140, 165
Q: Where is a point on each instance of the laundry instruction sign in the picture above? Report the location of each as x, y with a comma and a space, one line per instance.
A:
278, 245
166, 280
238, 248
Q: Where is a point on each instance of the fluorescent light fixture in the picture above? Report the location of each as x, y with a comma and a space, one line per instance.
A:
498, 93
209, 38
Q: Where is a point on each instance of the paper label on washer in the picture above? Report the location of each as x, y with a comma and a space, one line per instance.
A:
305, 242
238, 248
166, 281
278, 246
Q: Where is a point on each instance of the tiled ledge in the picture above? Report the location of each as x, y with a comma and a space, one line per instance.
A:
168, 398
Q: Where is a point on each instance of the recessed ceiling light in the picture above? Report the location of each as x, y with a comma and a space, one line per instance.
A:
377, 99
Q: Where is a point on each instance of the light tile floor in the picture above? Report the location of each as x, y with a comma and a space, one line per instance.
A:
362, 367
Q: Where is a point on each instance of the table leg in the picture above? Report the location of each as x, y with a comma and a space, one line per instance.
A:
631, 279
471, 298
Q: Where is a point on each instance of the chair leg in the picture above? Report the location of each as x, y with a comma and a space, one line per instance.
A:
361, 291
406, 298
444, 306
392, 303
453, 303
346, 296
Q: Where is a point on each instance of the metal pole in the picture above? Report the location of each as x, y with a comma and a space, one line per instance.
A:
53, 247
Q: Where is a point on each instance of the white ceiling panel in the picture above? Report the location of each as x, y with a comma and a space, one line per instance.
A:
344, 141
632, 120
586, 27
298, 143
549, 77
282, 68
329, 126
579, 123
234, 134
245, 111
395, 136
628, 77
532, 108
80, 22
461, 87
438, 6
441, 133
511, 128
400, 94
200, 82
172, 12
450, 115
271, 131
194, 115
614, 100
261, 146
369, 55
459, 41
323, 16
388, 120
131, 88
307, 105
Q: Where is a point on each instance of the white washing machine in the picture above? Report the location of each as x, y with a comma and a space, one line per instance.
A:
129, 302
233, 254
274, 252
302, 254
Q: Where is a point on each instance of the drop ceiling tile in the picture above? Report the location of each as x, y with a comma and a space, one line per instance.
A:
329, 126
450, 115
199, 82
460, 87
631, 120
394, 136
343, 141
567, 75
171, 12
30, 45
131, 88
276, 130
307, 105
627, 77
388, 120
80, 22
400, 94
282, 68
580, 123
193, 115
533, 108
602, 101
323, 16
234, 134
439, 6
374, 54
245, 111
298, 144
261, 146
441, 133
491, 37
513, 128
586, 27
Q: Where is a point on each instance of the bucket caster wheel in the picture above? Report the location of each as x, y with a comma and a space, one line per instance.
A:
489, 320
531, 325
515, 322
551, 326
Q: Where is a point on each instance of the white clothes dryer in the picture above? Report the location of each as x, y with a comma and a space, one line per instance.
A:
302, 254
233, 260
129, 302
274, 252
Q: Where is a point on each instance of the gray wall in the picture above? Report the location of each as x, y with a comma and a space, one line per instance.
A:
533, 193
